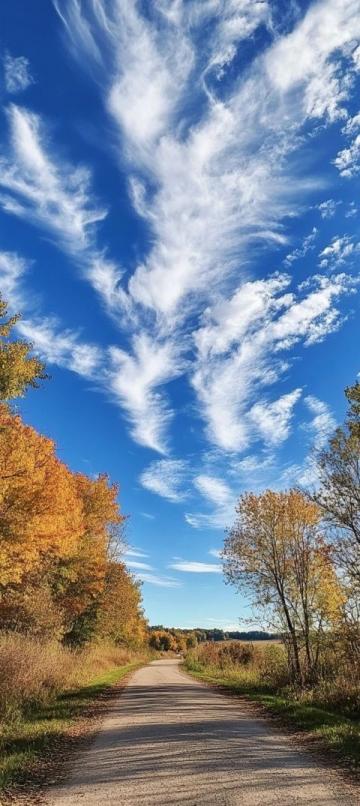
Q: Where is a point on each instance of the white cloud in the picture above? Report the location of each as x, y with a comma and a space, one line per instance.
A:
338, 251
214, 183
50, 340
158, 580
215, 553
323, 422
17, 73
352, 124
319, 428
12, 271
215, 490
196, 567
272, 421
307, 245
133, 378
227, 381
348, 159
62, 347
131, 551
327, 208
55, 196
221, 496
138, 566
224, 182
166, 478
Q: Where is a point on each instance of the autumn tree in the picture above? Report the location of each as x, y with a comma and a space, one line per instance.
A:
18, 368
40, 511
276, 550
120, 614
80, 579
338, 493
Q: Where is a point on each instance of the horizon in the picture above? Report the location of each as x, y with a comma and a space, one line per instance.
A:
178, 198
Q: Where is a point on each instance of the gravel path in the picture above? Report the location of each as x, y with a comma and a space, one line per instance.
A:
172, 740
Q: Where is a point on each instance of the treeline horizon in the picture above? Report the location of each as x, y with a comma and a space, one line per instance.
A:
217, 634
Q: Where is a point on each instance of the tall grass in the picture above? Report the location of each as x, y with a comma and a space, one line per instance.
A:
258, 667
34, 672
330, 710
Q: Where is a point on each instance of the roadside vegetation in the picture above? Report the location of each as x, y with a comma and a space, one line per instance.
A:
296, 553
71, 618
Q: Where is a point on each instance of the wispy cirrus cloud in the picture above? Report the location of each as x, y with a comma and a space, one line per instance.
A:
252, 347
215, 181
221, 498
54, 196
193, 567
132, 551
53, 342
166, 477
138, 566
159, 580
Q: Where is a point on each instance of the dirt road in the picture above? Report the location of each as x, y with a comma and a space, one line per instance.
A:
172, 740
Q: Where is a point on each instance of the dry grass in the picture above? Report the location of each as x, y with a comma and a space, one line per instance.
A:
329, 710
33, 672
43, 689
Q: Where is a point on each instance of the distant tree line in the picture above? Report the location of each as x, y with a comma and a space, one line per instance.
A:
201, 634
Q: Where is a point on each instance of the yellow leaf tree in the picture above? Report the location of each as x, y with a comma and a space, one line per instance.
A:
276, 550
18, 368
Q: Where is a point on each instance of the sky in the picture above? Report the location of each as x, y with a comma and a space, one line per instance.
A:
179, 219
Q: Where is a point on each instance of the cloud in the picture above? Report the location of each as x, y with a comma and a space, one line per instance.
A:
215, 181
62, 347
250, 348
319, 428
17, 73
272, 421
166, 478
50, 340
308, 244
196, 567
54, 196
138, 566
338, 251
132, 551
323, 422
347, 160
215, 553
223, 182
327, 208
133, 379
216, 490
221, 496
12, 271
158, 580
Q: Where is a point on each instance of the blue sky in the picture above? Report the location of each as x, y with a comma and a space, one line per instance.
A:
179, 227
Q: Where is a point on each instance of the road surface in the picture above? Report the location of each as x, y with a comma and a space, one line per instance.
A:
172, 740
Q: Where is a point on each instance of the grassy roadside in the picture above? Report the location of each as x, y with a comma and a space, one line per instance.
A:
332, 730
32, 737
